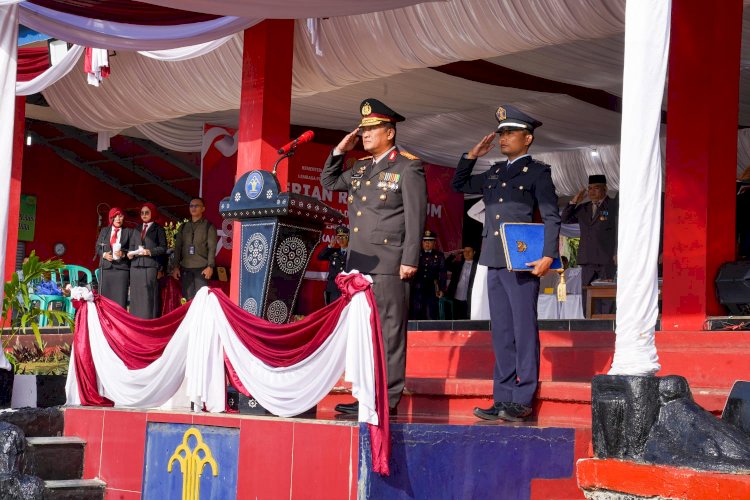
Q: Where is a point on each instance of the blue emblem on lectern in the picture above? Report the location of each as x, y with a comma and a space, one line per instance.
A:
254, 185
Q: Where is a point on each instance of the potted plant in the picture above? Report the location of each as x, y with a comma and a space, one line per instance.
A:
40, 375
20, 313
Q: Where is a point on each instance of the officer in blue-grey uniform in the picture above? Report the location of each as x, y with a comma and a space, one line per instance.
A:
429, 283
511, 190
335, 254
387, 205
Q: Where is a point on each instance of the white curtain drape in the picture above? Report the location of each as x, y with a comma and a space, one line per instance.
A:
53, 74
185, 53
8, 60
646, 54
288, 9
113, 35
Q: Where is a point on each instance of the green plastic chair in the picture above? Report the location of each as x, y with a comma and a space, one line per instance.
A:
445, 308
75, 275
45, 301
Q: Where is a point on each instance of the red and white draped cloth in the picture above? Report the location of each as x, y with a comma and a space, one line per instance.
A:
124, 361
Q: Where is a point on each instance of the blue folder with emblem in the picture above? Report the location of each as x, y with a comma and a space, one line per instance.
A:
524, 242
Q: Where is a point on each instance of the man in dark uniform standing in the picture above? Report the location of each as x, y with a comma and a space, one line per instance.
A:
335, 254
429, 284
386, 205
511, 190
597, 218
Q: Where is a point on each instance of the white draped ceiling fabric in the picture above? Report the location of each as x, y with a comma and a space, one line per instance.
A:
646, 55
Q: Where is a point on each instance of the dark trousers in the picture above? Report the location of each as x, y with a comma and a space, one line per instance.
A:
144, 292
424, 302
515, 334
192, 281
114, 285
392, 298
460, 309
591, 272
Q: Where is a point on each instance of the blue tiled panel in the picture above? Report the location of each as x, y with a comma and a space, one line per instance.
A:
456, 462
162, 440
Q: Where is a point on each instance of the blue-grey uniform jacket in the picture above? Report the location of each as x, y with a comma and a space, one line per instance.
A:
387, 205
511, 195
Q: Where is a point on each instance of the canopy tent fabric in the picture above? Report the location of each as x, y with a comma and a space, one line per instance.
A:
445, 113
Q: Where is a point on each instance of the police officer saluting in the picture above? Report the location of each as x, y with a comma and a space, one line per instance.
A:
386, 205
335, 254
511, 189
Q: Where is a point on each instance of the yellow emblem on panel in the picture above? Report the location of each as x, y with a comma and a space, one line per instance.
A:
366, 109
192, 463
500, 114
521, 246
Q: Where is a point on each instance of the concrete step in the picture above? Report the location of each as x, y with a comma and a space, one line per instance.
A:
569, 401
706, 359
54, 458
74, 489
717, 367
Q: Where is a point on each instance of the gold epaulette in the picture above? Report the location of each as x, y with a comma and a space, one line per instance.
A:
408, 155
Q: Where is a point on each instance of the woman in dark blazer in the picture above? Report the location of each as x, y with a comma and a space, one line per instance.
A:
112, 246
147, 244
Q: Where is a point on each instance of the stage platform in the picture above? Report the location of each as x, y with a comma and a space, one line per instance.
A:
440, 450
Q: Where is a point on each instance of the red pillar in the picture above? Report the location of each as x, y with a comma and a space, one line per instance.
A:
14, 200
699, 211
265, 105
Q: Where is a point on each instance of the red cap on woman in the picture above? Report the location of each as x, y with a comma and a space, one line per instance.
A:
114, 212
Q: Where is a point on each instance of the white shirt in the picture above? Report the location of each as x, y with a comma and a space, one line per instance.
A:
516, 159
462, 289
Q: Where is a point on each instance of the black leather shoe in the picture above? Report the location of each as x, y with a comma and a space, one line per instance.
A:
491, 413
514, 412
349, 408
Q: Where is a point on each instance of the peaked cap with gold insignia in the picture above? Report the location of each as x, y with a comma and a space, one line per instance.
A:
375, 112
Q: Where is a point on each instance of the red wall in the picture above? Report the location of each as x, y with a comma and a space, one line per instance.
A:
67, 198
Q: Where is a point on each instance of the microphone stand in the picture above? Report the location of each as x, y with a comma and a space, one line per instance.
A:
285, 155
101, 268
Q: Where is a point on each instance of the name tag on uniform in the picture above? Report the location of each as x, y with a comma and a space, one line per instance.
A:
191, 250
493, 177
360, 172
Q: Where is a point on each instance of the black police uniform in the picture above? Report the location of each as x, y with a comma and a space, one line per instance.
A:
430, 279
336, 258
510, 193
387, 207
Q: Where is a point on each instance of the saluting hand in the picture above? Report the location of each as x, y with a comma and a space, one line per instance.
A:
484, 147
578, 198
348, 142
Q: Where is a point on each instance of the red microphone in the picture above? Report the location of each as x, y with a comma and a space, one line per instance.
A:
306, 137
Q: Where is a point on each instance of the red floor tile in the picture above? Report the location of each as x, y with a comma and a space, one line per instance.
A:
123, 449
87, 424
322, 457
265, 461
